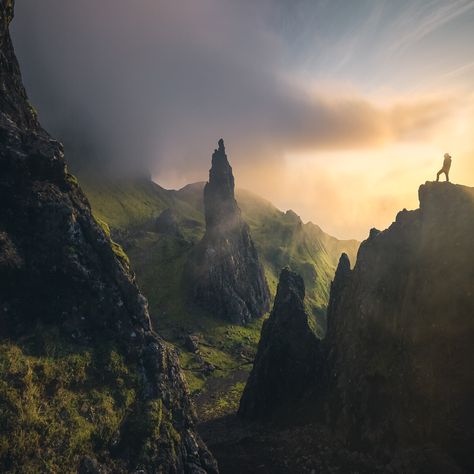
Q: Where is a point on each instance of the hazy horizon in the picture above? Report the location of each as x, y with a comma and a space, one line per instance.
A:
336, 111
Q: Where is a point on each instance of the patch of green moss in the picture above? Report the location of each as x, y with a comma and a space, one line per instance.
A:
120, 252
32, 109
194, 378
117, 248
59, 402
225, 402
103, 225
71, 179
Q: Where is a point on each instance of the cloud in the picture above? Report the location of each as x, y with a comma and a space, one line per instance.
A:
154, 84
423, 18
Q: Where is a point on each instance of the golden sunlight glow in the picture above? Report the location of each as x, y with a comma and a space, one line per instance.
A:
349, 191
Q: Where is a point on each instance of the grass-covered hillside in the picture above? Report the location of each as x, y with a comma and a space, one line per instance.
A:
217, 369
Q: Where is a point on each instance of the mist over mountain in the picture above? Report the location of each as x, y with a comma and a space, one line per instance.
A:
300, 90
155, 323
153, 87
86, 385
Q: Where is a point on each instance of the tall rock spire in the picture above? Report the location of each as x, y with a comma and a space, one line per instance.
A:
219, 201
285, 370
227, 277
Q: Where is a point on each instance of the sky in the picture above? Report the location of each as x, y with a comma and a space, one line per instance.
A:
338, 110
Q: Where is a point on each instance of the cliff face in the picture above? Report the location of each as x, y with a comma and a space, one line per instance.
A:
227, 277
288, 360
394, 372
85, 383
400, 330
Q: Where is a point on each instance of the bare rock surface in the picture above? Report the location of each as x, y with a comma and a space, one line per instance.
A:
225, 272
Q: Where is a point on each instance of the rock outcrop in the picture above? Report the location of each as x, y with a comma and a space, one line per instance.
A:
226, 276
85, 383
394, 373
286, 370
167, 224
400, 330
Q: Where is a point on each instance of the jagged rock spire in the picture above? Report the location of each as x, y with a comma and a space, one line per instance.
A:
289, 354
341, 279
227, 278
219, 199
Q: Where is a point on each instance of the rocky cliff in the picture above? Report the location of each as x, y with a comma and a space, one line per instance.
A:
85, 383
395, 371
226, 276
288, 360
401, 326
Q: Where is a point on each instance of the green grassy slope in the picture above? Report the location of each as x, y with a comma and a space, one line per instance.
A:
283, 240
55, 394
132, 205
225, 351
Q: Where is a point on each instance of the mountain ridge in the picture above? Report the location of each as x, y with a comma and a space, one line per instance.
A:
217, 373
395, 375
126, 206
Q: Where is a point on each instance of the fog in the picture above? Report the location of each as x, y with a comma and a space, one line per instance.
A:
150, 85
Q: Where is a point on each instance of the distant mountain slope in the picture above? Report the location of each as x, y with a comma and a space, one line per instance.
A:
133, 204
281, 238
219, 367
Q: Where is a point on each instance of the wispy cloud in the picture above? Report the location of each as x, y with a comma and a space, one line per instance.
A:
422, 18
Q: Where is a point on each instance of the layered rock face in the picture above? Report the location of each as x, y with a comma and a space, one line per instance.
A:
75, 332
227, 277
287, 366
400, 330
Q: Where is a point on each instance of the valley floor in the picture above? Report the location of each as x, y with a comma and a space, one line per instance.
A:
248, 448
243, 448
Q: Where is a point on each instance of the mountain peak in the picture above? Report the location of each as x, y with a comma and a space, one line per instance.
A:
288, 352
219, 198
291, 285
445, 195
229, 279
221, 146
409, 294
67, 289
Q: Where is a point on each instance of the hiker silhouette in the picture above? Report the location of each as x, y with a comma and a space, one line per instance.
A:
446, 167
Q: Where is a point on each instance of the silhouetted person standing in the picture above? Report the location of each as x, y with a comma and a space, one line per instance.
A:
446, 167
